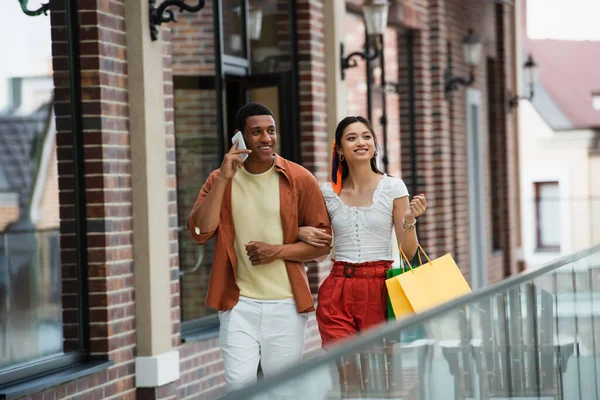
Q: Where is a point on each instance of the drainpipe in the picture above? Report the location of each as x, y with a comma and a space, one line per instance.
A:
450, 100
383, 119
369, 78
412, 111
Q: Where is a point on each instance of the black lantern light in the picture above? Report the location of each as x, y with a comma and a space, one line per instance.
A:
471, 47
255, 16
531, 75
375, 13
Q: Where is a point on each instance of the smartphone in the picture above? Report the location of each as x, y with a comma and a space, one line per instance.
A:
241, 144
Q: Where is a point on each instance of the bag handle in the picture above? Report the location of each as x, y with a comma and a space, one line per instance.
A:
405, 259
419, 255
425, 254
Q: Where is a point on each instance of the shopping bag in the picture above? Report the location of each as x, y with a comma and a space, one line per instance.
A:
427, 286
390, 273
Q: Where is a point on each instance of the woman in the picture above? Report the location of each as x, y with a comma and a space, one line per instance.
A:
364, 205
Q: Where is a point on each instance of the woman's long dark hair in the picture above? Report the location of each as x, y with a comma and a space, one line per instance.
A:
339, 132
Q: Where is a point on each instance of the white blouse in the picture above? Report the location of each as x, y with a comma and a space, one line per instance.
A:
363, 234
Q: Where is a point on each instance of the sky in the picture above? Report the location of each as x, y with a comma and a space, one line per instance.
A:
25, 45
563, 19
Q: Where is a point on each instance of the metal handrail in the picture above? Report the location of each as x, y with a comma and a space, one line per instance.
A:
357, 343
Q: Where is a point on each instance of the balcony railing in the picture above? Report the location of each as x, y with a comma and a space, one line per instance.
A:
534, 335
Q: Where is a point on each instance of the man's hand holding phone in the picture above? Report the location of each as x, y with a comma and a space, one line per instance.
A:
241, 145
234, 158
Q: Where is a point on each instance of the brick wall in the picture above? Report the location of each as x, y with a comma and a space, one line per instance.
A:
392, 99
441, 131
108, 187
441, 141
425, 120
192, 40
354, 40
201, 371
311, 47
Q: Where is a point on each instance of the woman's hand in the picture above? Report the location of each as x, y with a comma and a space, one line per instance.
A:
416, 208
314, 236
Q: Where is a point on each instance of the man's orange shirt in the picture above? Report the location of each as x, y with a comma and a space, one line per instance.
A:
301, 204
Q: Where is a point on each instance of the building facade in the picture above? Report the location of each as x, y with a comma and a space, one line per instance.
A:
560, 138
141, 116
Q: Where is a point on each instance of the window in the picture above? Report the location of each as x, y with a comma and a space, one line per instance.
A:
42, 322
547, 214
197, 155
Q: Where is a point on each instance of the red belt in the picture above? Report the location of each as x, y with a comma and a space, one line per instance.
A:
369, 269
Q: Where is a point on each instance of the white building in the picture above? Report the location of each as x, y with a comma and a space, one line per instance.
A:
559, 151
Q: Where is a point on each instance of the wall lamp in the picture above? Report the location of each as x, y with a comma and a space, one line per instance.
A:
531, 70
255, 17
375, 13
160, 14
471, 47
44, 7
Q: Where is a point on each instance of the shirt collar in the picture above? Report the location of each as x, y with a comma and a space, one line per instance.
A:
280, 165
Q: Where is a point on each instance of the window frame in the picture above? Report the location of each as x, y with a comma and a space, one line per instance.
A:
206, 327
539, 246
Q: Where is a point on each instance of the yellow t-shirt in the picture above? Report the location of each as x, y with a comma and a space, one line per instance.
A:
257, 217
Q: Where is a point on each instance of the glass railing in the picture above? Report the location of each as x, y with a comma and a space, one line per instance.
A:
534, 335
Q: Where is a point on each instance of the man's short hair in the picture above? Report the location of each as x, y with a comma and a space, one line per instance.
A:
250, 110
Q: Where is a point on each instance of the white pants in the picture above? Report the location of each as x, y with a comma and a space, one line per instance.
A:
271, 332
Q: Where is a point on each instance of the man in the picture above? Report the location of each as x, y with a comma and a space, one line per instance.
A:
258, 280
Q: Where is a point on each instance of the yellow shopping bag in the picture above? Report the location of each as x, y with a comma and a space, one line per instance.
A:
425, 287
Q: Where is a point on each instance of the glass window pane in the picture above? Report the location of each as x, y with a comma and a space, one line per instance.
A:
31, 274
233, 34
197, 153
269, 96
270, 38
548, 214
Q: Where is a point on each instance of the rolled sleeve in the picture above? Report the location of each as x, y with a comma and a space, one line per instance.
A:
198, 236
201, 237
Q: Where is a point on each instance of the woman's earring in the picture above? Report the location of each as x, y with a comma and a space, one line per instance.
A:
341, 157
